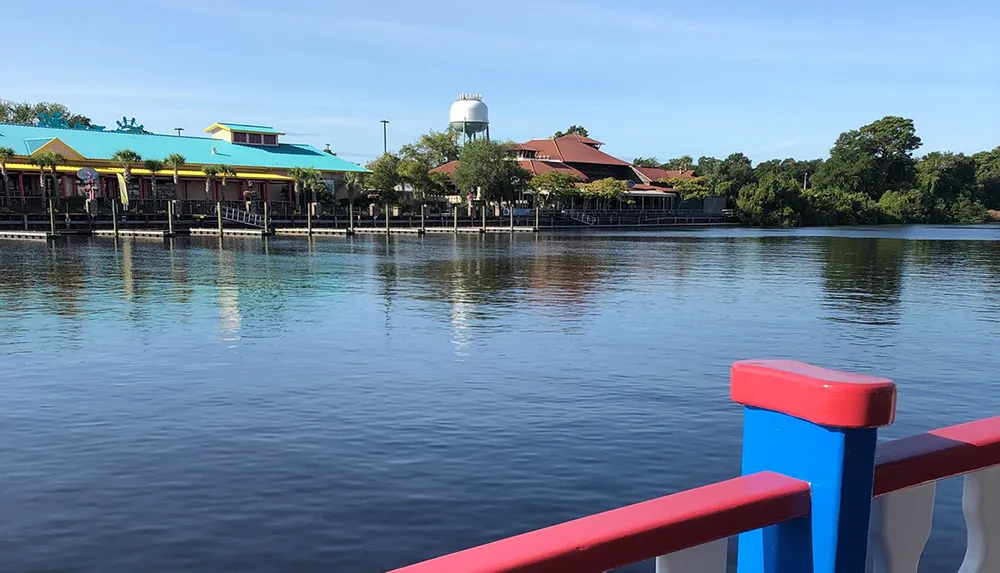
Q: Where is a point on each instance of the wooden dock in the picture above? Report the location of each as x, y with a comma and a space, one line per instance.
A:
214, 232
28, 235
140, 233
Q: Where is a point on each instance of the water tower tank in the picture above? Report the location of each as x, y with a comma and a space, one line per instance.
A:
469, 115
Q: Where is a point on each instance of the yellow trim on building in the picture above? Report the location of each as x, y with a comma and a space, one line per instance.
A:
67, 151
215, 126
164, 173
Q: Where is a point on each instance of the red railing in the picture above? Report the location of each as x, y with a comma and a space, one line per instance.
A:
637, 532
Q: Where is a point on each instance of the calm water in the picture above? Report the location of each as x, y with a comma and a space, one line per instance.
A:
355, 405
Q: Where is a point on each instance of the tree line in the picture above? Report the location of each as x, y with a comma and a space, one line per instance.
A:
871, 176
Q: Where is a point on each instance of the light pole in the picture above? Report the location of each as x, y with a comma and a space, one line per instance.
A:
385, 140
178, 130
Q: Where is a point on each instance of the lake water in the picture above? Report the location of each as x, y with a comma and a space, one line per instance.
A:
353, 405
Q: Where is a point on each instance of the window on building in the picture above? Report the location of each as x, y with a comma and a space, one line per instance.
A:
239, 137
270, 139
254, 138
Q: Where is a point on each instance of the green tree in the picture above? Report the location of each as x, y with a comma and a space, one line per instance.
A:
832, 206
51, 161
903, 207
126, 159
555, 184
354, 185
966, 210
224, 173
947, 175
577, 129
175, 161
25, 113
988, 177
646, 162
6, 155
873, 159
384, 179
682, 163
488, 167
730, 176
706, 166
689, 188
772, 202
153, 165
433, 149
604, 191
210, 172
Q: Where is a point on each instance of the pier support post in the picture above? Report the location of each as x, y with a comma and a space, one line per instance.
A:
387, 220
454, 216
52, 219
536, 215
484, 217
309, 220
170, 218
267, 220
114, 215
350, 217
218, 215
819, 426
511, 216
423, 220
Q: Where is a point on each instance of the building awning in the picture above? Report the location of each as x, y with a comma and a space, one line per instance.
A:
165, 173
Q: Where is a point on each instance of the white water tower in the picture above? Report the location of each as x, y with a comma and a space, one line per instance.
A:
469, 115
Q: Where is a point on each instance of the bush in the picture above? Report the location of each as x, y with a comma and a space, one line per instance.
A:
904, 207
772, 202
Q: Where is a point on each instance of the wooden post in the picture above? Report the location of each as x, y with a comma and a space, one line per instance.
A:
267, 222
218, 215
350, 216
423, 221
511, 204
170, 218
537, 210
454, 214
386, 219
114, 215
309, 220
484, 217
52, 218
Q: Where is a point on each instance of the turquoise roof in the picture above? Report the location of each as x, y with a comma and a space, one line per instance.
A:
25, 139
250, 128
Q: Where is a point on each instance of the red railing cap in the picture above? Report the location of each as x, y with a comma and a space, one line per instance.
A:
818, 395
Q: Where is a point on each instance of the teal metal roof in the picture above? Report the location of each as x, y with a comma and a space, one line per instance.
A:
250, 128
25, 139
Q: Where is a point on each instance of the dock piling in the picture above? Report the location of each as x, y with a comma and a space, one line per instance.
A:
423, 226
267, 222
218, 214
170, 218
454, 214
309, 220
114, 215
52, 219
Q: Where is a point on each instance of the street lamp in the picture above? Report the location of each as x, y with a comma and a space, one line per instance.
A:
385, 140
178, 130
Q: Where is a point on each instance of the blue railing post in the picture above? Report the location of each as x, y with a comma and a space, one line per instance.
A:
819, 426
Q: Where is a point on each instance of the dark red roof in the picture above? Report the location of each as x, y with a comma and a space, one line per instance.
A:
655, 173
573, 149
537, 167
522, 147
447, 168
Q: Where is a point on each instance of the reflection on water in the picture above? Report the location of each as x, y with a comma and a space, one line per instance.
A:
250, 405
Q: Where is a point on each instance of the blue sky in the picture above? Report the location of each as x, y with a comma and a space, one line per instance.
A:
773, 78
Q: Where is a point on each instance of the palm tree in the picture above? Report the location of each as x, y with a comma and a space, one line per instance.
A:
175, 161
354, 183
153, 165
47, 160
126, 158
211, 172
225, 172
299, 175
6, 154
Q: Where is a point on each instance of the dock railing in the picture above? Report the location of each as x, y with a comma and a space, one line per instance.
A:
817, 494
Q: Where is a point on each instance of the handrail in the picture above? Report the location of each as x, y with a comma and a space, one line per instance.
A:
637, 532
936, 455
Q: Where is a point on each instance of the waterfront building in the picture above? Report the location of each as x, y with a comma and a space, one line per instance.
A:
257, 154
583, 158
